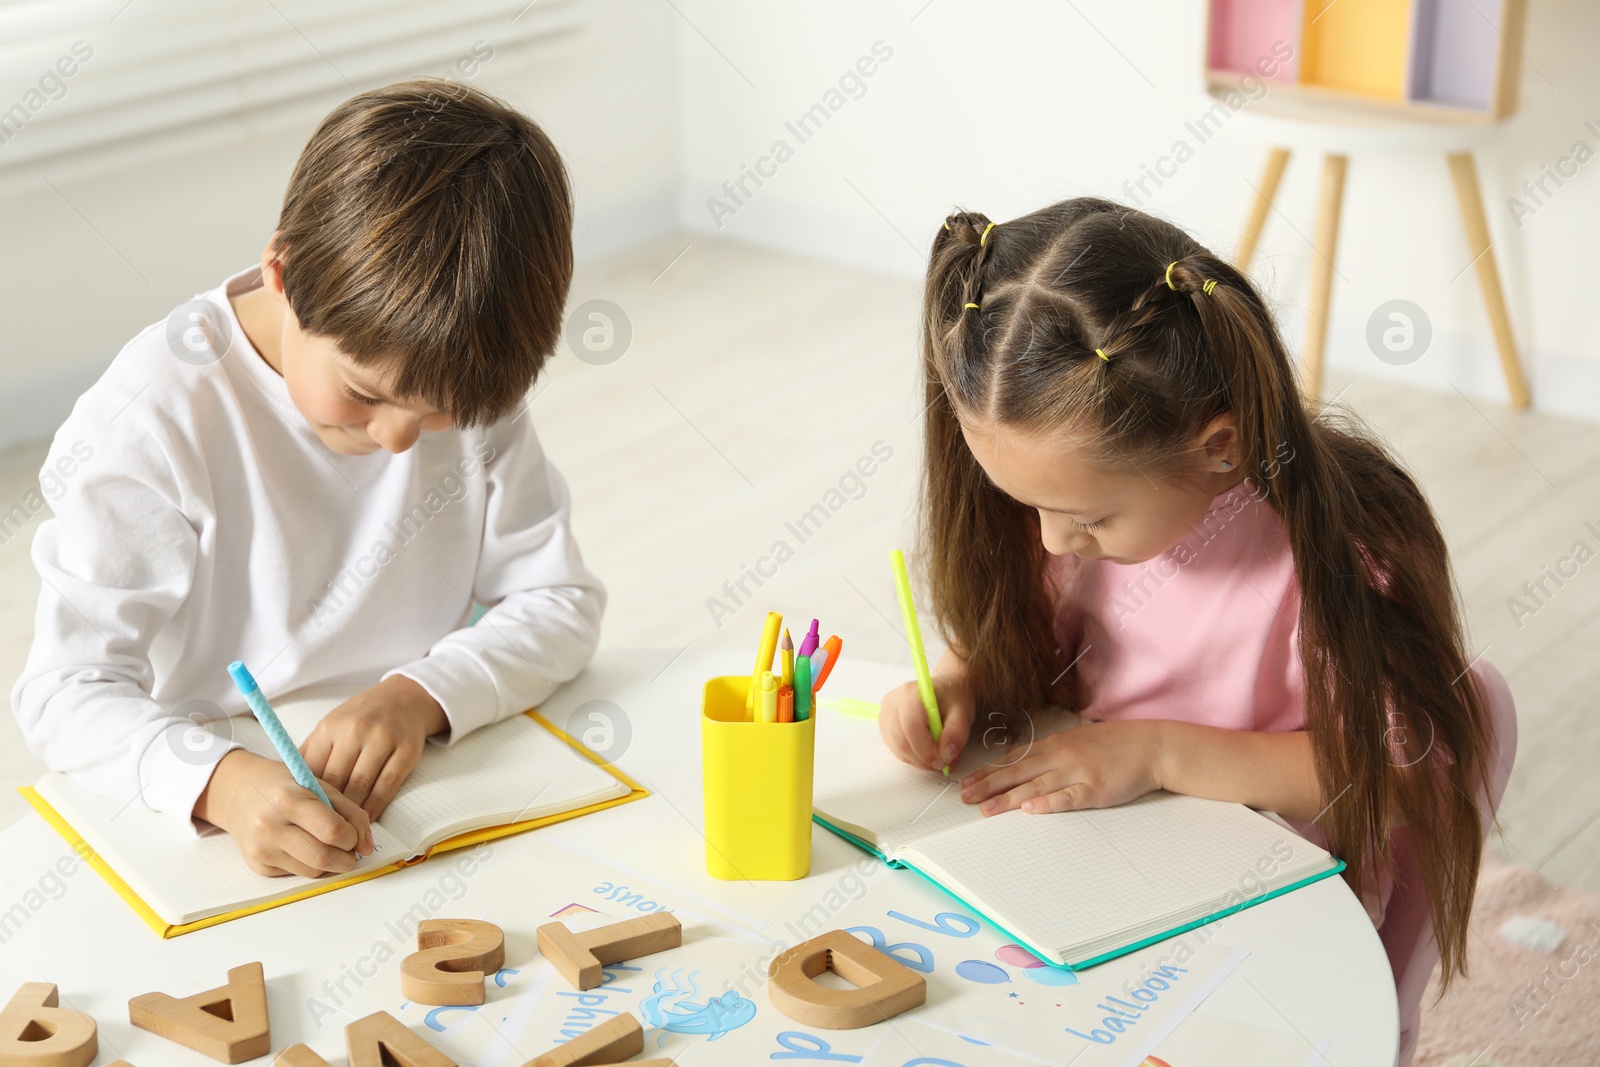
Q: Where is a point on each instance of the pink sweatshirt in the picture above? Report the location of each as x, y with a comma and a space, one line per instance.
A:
1206, 633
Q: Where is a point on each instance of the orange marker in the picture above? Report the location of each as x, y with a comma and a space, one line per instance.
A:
786, 704
833, 646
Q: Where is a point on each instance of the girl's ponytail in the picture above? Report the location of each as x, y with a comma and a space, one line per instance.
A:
1387, 687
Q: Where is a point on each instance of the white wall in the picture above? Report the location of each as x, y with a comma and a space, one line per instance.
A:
1009, 105
83, 270
1000, 107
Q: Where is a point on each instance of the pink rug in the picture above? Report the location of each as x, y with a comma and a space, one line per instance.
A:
1532, 998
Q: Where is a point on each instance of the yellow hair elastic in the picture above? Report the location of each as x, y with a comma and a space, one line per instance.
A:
1208, 286
965, 306
1174, 263
985, 235
1101, 353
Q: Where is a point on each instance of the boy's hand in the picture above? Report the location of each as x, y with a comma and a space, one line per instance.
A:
367, 746
1095, 765
278, 827
903, 722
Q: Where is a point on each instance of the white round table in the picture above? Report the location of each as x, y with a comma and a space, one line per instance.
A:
1315, 964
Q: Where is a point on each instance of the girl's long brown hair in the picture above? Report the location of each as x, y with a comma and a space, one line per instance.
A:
1398, 729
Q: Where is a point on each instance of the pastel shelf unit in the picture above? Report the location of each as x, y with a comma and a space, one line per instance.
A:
1439, 60
1427, 61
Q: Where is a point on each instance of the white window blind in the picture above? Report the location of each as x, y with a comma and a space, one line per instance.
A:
89, 86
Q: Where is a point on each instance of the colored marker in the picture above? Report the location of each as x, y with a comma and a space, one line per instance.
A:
802, 689
833, 647
786, 648
858, 709
769, 697
786, 704
819, 664
275, 731
769, 645
809, 644
908, 613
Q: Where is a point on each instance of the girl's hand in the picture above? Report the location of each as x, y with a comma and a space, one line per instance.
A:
367, 746
1095, 765
278, 827
903, 722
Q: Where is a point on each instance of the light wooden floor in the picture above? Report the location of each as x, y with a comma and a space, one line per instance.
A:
754, 383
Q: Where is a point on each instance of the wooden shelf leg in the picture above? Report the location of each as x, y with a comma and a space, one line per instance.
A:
1271, 175
1329, 199
1470, 197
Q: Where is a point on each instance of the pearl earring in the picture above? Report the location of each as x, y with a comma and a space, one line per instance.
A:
1227, 466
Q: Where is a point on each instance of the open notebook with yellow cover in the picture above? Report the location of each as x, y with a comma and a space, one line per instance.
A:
503, 779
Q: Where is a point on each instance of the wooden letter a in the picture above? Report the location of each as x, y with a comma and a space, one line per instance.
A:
884, 987
381, 1040
228, 1023
606, 1045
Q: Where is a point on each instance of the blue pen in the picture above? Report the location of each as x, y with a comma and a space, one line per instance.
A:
275, 732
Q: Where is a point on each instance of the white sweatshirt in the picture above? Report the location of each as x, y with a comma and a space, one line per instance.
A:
200, 520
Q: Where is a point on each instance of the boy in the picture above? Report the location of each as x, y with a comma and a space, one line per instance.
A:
317, 468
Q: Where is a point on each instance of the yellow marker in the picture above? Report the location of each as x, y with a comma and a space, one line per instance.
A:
908, 613
769, 697
769, 646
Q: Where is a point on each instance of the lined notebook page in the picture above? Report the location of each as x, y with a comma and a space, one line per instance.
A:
181, 877
507, 772
1079, 883
887, 804
860, 787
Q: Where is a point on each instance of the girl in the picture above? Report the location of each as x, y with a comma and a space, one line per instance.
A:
1130, 511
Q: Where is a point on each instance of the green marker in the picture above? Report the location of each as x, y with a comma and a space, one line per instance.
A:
802, 688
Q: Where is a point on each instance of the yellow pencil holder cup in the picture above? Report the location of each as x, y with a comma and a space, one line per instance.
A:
757, 779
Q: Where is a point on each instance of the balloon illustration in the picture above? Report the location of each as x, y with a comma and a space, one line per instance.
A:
1033, 967
982, 971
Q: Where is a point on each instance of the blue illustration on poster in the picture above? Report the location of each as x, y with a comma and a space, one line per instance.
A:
671, 1006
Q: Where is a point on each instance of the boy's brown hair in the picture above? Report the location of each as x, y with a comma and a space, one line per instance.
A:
427, 231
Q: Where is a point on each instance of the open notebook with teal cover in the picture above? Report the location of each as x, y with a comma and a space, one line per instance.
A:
1075, 888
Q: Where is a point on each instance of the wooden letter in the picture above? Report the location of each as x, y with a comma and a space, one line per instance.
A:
228, 1023
381, 1040
456, 955
36, 1033
299, 1056
605, 1045
579, 957
884, 987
